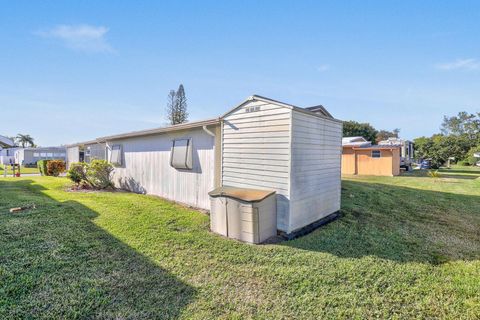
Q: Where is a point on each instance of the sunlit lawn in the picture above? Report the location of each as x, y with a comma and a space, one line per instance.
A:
404, 247
22, 170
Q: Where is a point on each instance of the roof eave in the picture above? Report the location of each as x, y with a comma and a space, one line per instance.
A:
178, 127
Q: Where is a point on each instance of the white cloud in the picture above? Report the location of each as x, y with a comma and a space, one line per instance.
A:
460, 64
84, 37
323, 68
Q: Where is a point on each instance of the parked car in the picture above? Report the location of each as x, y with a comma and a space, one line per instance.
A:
425, 164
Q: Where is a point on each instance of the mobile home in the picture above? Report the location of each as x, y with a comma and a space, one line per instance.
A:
30, 156
260, 144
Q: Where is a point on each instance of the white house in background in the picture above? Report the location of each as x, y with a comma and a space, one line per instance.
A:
6, 150
261, 144
30, 156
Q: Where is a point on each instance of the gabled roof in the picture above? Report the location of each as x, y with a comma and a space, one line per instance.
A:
320, 111
6, 142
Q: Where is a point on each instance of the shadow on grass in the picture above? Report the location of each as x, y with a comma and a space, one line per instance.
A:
400, 224
56, 263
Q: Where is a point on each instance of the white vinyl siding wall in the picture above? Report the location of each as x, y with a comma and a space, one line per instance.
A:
256, 152
146, 167
315, 168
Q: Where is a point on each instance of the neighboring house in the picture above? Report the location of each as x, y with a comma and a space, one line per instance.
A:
6, 150
406, 151
30, 156
360, 157
86, 151
6, 142
261, 144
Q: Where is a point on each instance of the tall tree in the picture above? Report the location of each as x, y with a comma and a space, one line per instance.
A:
24, 139
356, 129
181, 105
171, 111
463, 123
177, 106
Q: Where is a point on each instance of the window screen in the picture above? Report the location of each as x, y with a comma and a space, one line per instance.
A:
181, 154
116, 155
376, 154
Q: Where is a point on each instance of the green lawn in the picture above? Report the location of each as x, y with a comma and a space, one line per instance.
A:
22, 170
404, 247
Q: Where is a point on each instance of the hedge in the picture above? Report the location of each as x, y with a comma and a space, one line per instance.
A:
42, 167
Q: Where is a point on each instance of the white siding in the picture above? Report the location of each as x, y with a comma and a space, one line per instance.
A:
256, 152
146, 167
315, 169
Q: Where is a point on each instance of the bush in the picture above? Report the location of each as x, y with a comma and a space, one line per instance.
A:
99, 174
77, 172
470, 158
433, 174
464, 163
42, 167
55, 167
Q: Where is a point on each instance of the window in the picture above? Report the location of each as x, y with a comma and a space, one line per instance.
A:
43, 154
116, 155
50, 154
36, 154
181, 154
376, 154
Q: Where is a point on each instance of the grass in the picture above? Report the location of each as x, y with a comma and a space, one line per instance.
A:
404, 247
23, 170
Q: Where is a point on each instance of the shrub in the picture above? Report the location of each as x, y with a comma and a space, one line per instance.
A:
433, 174
464, 163
99, 174
77, 172
42, 167
55, 167
470, 158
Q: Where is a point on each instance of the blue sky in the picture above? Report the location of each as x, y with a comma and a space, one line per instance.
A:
73, 71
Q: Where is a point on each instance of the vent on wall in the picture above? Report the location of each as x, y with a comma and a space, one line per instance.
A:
181, 154
252, 109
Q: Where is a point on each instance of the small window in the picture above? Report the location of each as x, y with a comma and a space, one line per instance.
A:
50, 154
43, 154
181, 154
116, 155
376, 154
36, 154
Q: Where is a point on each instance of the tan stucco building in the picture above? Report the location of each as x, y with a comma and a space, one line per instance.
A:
360, 157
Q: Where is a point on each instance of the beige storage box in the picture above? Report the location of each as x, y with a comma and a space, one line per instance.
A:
248, 215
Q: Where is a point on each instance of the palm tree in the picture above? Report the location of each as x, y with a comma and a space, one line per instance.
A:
24, 139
